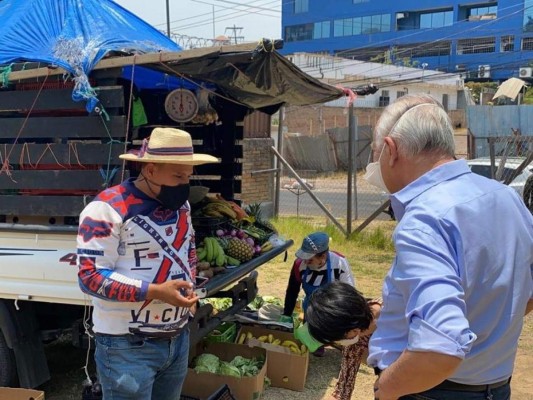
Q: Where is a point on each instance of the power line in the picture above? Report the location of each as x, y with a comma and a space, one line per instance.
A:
224, 17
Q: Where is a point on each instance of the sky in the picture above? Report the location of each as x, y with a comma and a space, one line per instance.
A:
258, 18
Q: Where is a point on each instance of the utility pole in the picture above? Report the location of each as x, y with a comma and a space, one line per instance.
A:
235, 29
214, 34
168, 18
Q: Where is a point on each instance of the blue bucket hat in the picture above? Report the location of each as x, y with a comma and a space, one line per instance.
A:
312, 244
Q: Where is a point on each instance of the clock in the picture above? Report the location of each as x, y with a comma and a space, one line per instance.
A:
181, 105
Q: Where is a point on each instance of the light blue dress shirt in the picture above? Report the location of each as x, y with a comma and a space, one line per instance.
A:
462, 275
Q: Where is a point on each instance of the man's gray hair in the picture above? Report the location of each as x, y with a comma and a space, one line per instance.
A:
418, 124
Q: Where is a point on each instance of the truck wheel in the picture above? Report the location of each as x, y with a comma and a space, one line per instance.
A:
8, 367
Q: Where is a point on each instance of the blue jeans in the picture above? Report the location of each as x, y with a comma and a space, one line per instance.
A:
130, 367
500, 393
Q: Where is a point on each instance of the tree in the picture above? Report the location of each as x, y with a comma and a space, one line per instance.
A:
477, 87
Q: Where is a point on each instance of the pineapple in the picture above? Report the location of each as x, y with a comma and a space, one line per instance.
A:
240, 250
254, 210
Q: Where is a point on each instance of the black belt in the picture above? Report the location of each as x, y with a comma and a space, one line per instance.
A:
138, 337
459, 387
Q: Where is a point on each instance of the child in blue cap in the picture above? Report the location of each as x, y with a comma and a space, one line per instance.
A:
314, 267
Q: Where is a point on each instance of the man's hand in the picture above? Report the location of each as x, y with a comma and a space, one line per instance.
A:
378, 394
176, 292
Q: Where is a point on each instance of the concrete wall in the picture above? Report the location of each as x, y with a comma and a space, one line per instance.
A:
315, 120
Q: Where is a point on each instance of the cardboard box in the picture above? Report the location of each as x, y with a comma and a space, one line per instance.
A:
202, 385
285, 369
20, 394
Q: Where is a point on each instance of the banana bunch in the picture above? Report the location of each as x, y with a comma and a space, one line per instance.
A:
291, 345
294, 348
219, 209
213, 253
267, 246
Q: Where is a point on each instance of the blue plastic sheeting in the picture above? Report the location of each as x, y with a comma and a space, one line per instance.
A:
74, 35
146, 78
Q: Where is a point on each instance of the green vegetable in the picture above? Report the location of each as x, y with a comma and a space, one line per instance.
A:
238, 367
227, 369
219, 304
207, 363
272, 300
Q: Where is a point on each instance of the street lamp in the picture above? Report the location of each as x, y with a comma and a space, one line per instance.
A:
424, 66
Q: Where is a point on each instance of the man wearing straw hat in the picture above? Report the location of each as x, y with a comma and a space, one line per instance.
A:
136, 258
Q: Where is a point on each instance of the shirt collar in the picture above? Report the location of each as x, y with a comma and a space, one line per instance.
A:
444, 172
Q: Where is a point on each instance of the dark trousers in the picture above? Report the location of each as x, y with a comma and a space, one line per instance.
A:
499, 393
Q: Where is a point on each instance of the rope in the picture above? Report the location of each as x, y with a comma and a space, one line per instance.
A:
108, 174
74, 148
126, 135
5, 165
199, 85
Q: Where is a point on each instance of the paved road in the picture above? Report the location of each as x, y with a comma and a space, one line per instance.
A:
367, 203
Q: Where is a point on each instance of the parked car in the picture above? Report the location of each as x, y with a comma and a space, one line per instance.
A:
482, 167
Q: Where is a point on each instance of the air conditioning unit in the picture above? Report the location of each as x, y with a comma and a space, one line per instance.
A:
483, 71
525, 72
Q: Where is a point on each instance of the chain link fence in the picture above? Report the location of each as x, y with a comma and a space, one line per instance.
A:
321, 161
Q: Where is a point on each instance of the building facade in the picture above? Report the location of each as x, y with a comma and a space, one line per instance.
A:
482, 40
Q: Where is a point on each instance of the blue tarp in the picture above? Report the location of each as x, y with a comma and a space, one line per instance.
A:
74, 35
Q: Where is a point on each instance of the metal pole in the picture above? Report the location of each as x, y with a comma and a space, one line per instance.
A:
306, 187
356, 153
350, 170
168, 18
277, 187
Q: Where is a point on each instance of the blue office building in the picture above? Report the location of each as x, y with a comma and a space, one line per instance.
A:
484, 40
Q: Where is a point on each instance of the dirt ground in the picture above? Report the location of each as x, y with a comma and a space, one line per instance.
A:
67, 375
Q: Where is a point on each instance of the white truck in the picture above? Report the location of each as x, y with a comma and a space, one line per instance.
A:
55, 159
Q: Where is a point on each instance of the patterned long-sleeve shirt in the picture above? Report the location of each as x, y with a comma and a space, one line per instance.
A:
352, 357
127, 240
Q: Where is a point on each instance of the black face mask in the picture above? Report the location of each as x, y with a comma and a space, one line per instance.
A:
173, 197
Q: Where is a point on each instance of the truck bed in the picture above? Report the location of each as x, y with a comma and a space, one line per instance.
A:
40, 265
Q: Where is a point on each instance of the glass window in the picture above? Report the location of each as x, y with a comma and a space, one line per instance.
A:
297, 33
301, 6
367, 24
528, 15
436, 19
321, 30
476, 45
425, 21
338, 29
527, 43
507, 43
357, 26
376, 23
326, 29
385, 23
348, 30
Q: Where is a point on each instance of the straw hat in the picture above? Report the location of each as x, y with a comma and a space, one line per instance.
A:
169, 146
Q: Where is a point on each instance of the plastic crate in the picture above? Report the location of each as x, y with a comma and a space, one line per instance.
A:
228, 333
224, 393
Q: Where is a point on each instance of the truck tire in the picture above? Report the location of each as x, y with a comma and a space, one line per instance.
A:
8, 366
